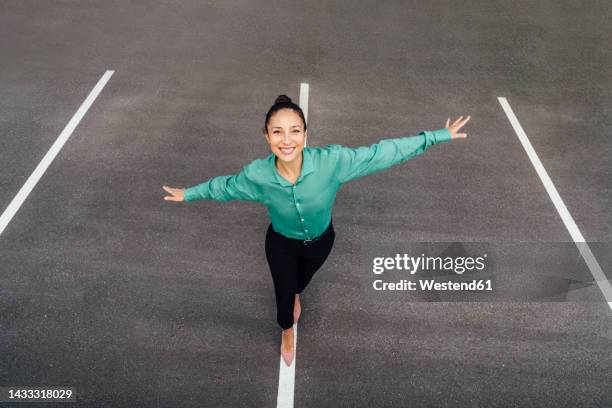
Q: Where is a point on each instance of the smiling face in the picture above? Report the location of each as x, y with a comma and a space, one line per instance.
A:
286, 135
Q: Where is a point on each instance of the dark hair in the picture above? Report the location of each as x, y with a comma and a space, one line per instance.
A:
284, 102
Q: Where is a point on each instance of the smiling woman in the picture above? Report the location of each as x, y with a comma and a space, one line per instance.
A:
285, 131
298, 185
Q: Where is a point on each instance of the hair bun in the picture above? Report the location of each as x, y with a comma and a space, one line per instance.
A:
282, 99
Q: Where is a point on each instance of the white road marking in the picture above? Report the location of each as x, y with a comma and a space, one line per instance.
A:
30, 183
304, 103
286, 378
572, 228
286, 375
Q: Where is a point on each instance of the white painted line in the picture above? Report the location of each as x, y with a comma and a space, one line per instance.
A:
572, 228
30, 183
286, 378
304, 103
286, 375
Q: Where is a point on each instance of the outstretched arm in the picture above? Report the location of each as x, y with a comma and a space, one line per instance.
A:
221, 188
357, 162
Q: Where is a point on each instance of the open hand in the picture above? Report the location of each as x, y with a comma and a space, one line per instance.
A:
178, 194
456, 126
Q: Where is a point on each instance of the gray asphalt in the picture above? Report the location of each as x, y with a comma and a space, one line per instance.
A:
137, 301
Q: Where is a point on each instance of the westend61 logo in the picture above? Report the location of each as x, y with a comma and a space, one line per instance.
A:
414, 264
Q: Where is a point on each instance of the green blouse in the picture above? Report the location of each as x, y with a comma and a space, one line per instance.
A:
303, 210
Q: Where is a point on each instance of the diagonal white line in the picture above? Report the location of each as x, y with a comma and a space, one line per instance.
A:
31, 182
572, 228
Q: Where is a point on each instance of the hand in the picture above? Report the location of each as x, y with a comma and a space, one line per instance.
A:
456, 126
178, 194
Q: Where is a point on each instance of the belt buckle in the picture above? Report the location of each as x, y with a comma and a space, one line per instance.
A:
307, 242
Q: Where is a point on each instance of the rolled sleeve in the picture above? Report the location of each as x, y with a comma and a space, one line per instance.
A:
441, 135
353, 163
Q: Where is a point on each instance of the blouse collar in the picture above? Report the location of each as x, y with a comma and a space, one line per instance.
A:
307, 167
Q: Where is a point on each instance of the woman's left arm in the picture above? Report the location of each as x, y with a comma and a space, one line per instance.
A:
357, 162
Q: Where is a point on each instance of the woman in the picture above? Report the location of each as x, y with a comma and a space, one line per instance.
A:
298, 185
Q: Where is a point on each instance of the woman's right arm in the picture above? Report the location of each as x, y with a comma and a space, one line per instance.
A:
224, 188
237, 186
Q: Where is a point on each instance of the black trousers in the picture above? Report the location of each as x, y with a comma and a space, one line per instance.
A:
292, 263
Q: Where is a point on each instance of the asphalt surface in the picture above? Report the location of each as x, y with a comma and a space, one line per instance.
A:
137, 301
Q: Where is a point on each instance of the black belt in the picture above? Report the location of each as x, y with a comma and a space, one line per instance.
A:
330, 228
